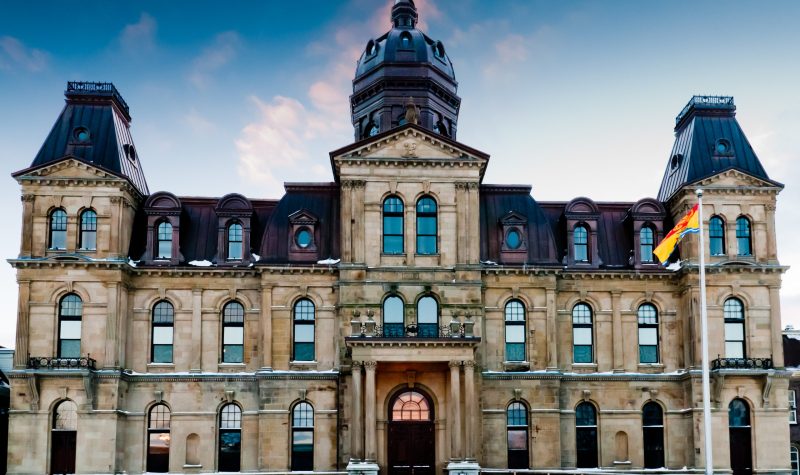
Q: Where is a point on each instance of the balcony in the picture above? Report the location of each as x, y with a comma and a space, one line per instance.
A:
741, 363
51, 362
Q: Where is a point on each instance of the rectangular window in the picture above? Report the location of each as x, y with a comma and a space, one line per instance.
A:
303, 342
648, 344
233, 345
734, 340
393, 234
515, 342
162, 344
58, 240
792, 407
70, 339
582, 344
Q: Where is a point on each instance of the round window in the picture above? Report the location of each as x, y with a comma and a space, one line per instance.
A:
81, 134
676, 160
513, 239
723, 146
303, 238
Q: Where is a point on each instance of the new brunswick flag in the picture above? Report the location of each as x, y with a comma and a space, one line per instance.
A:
688, 224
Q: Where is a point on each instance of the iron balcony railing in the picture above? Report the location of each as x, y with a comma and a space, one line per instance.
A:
741, 363
706, 102
89, 88
369, 329
53, 362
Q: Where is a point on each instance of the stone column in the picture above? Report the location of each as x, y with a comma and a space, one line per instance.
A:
552, 349
346, 219
772, 244
455, 402
197, 331
23, 314
26, 241
370, 418
358, 218
470, 428
616, 332
266, 327
356, 436
112, 340
775, 325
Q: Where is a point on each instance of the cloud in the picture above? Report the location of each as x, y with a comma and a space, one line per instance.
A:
140, 37
198, 123
14, 55
220, 52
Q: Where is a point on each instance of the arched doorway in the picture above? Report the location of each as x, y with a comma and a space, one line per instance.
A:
63, 437
411, 443
739, 434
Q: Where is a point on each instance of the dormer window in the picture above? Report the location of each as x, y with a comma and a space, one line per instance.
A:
235, 241
647, 220
514, 243
646, 243
581, 243
303, 237
438, 49
371, 48
164, 239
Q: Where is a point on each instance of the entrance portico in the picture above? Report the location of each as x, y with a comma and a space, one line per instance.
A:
432, 368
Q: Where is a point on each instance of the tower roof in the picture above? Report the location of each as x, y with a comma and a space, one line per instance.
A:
708, 140
94, 127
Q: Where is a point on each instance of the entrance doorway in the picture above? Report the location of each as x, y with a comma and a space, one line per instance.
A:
411, 435
63, 438
740, 441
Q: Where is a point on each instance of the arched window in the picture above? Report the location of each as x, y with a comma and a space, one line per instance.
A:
405, 40
233, 333
428, 317
303, 349
794, 457
646, 243
517, 435
393, 227
648, 333
586, 435
235, 241
88, 236
230, 438
581, 243
58, 229
303, 437
582, 334
427, 226
162, 332
164, 240
734, 328
63, 437
158, 439
653, 435
515, 331
411, 406
743, 236
70, 312
716, 236
393, 318
739, 437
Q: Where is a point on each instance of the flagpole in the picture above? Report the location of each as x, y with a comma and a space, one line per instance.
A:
704, 338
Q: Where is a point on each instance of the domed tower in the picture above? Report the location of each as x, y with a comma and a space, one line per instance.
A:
404, 65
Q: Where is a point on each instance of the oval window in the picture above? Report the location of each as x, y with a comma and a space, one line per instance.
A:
513, 239
723, 146
303, 238
81, 134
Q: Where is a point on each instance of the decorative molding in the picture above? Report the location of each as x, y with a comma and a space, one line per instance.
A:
586, 395
370, 365
229, 395
28, 198
765, 395
517, 394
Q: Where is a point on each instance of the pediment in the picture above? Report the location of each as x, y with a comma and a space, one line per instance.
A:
732, 178
411, 143
69, 168
303, 216
512, 217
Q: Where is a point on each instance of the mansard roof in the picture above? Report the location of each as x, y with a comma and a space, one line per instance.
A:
94, 127
708, 140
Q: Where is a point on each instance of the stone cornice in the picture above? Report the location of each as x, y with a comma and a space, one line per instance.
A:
675, 376
412, 342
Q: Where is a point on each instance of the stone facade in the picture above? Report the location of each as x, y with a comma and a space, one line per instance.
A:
360, 371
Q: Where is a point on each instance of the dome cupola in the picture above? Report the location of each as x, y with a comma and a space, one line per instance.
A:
404, 66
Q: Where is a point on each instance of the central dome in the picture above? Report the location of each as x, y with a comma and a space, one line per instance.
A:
401, 65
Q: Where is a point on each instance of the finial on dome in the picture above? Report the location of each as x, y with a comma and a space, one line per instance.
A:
404, 14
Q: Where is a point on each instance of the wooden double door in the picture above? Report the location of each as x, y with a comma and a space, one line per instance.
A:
411, 448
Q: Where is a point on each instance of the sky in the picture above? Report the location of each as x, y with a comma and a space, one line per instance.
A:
576, 98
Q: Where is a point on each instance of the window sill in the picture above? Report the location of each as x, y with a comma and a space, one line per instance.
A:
651, 367
160, 367
584, 367
302, 365
512, 366
192, 467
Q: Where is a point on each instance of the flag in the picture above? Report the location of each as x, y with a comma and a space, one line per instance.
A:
688, 224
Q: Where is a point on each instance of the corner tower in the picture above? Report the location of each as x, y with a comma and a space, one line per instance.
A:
404, 65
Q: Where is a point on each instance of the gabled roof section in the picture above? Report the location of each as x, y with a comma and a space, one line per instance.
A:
94, 127
409, 142
708, 140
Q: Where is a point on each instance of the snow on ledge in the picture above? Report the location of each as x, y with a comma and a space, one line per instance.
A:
201, 263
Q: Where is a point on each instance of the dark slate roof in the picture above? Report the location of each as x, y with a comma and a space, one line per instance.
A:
318, 199
496, 202
791, 352
99, 108
701, 124
199, 228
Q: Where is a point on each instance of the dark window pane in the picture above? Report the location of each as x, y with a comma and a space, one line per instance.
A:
165, 249
515, 352
426, 205
426, 245
230, 446
393, 330
585, 415
162, 353
517, 414
234, 250
652, 415
393, 225
583, 354
304, 351
70, 349
428, 330
393, 244
426, 226
58, 229
743, 236
716, 234
648, 354
581, 253
738, 414
232, 353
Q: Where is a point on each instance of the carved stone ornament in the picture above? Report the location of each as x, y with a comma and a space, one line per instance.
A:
412, 112
410, 149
